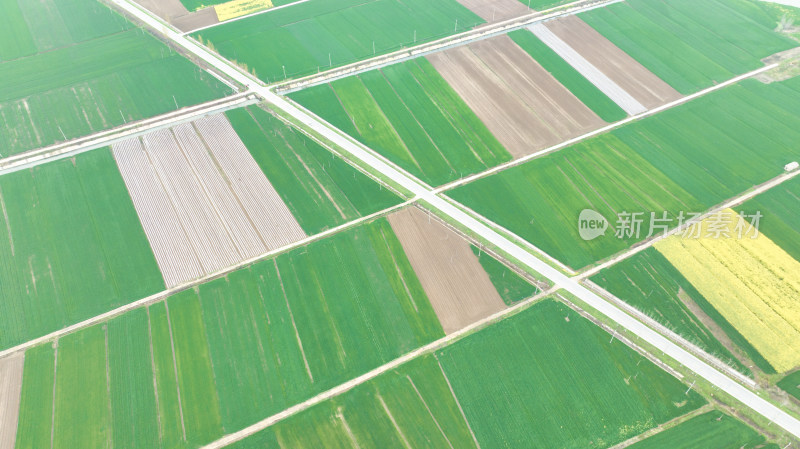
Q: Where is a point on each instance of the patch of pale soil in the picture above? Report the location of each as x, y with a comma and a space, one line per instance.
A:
545, 96
496, 10
456, 284
625, 71
175, 13
520, 102
10, 391
789, 67
714, 328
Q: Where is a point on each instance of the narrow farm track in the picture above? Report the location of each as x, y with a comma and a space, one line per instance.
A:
369, 158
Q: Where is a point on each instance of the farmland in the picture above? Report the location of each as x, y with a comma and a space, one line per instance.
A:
458, 287
323, 33
535, 357
408, 113
223, 355
750, 280
75, 67
691, 45
687, 158
321, 191
791, 384
49, 281
780, 222
651, 284
510, 285
712, 430
411, 406
514, 396
589, 95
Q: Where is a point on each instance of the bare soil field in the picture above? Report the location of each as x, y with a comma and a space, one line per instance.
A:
496, 10
454, 280
633, 77
175, 13
10, 390
520, 102
203, 201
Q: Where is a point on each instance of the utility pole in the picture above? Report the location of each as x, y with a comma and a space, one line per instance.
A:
330, 61
373, 48
415, 36
176, 102
456, 28
690, 387
284, 71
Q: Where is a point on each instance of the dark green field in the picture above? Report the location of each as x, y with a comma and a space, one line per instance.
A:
542, 378
651, 284
74, 67
319, 34
791, 384
692, 44
217, 358
687, 158
713, 430
71, 246
780, 210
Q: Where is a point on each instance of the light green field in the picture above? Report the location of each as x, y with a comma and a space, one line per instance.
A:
322, 33
71, 246
531, 385
321, 190
713, 430
691, 44
235, 350
74, 67
36, 405
548, 375
408, 113
687, 158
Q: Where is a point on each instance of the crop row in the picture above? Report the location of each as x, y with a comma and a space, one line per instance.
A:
409, 113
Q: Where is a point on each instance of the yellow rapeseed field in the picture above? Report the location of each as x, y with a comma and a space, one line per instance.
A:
238, 8
752, 282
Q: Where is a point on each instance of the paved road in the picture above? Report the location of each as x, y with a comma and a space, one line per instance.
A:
715, 377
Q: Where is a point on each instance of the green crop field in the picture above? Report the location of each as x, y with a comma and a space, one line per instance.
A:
235, 350
71, 246
685, 159
691, 44
319, 34
510, 285
411, 406
650, 283
791, 384
533, 382
780, 210
75, 67
321, 190
582, 88
712, 430
530, 386
408, 113
36, 407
